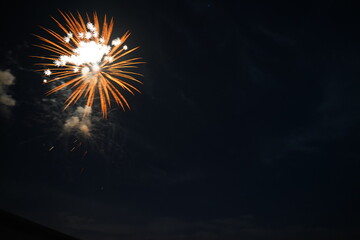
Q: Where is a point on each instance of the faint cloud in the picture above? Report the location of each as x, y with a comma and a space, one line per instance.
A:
80, 122
160, 228
6, 100
172, 228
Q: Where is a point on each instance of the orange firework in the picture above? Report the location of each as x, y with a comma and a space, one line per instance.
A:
89, 62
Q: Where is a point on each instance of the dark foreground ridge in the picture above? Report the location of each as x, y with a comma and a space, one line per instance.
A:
15, 227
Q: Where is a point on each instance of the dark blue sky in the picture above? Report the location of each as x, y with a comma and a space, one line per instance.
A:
248, 126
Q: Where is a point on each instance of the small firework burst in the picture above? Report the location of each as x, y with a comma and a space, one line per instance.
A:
89, 61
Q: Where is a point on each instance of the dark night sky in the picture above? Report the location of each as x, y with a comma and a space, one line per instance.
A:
248, 126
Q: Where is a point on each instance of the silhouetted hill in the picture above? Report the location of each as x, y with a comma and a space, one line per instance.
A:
15, 227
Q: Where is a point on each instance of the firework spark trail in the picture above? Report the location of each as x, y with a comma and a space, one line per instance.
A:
90, 61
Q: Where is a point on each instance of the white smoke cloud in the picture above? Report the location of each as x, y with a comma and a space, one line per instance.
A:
80, 122
6, 79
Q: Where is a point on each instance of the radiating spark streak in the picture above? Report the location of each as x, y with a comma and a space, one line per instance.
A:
89, 62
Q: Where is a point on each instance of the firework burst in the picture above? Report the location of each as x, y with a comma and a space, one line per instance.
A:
89, 61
